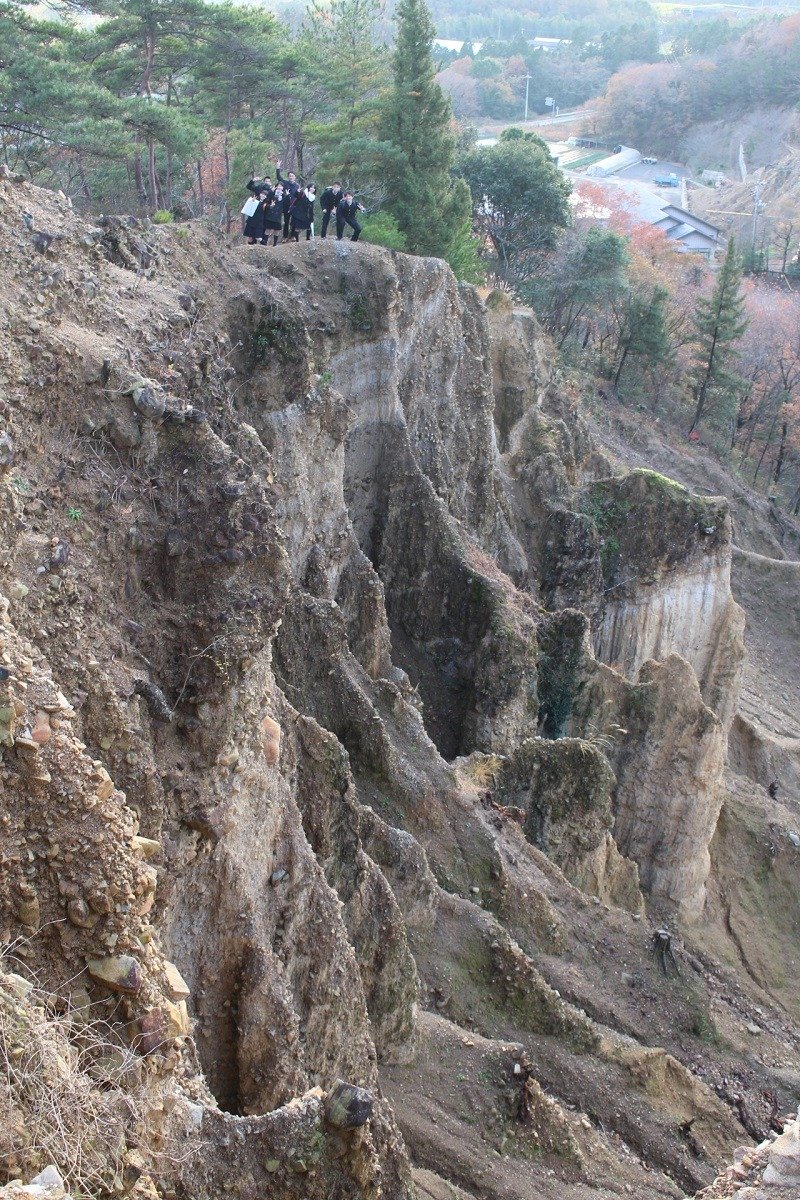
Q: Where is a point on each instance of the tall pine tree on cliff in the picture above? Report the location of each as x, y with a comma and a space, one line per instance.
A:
432, 211
719, 323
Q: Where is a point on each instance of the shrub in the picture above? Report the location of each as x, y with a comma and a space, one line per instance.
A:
381, 229
71, 1093
162, 216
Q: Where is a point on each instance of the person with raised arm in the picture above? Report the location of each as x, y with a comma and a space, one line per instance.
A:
291, 186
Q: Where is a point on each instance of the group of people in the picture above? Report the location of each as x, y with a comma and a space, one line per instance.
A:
287, 209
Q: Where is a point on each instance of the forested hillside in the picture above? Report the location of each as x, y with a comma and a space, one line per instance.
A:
654, 106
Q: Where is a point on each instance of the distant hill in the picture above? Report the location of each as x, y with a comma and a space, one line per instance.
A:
657, 106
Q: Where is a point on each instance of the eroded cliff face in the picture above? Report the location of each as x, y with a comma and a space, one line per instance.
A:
666, 559
319, 568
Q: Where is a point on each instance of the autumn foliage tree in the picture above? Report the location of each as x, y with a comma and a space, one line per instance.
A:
766, 438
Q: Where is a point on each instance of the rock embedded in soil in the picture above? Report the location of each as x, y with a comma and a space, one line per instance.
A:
177, 987
6, 452
271, 740
348, 1106
28, 911
80, 915
120, 973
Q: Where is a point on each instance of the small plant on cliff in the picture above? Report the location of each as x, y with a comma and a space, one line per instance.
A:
360, 318
71, 1093
382, 229
162, 216
276, 331
75, 514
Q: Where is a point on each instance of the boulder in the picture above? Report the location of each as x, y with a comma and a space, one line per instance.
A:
120, 973
347, 1106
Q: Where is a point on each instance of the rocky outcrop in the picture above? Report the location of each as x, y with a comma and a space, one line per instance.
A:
667, 749
563, 789
666, 560
521, 363
305, 729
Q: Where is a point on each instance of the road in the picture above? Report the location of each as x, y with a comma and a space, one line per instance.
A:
562, 119
493, 129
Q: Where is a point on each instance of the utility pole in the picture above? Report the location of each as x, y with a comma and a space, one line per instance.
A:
756, 210
527, 90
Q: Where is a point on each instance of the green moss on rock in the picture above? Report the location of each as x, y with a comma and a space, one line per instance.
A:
649, 523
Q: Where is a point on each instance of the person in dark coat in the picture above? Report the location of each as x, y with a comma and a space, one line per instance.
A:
347, 214
254, 226
273, 216
327, 202
302, 212
254, 186
291, 187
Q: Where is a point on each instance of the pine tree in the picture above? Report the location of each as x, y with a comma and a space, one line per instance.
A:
719, 322
645, 333
53, 117
429, 209
348, 66
143, 53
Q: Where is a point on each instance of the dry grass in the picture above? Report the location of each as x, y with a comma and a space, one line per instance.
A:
70, 1094
480, 770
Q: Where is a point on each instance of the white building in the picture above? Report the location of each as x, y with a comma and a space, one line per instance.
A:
624, 157
548, 43
456, 44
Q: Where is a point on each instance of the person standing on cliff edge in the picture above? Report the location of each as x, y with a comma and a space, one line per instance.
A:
273, 216
302, 213
347, 214
327, 202
290, 189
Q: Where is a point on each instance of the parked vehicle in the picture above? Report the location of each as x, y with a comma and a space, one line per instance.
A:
670, 180
651, 162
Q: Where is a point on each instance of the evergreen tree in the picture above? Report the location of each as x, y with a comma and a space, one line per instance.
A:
429, 209
719, 322
143, 53
247, 90
645, 332
53, 117
463, 249
244, 68
574, 289
348, 67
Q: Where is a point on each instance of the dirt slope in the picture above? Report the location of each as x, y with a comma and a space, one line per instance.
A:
400, 697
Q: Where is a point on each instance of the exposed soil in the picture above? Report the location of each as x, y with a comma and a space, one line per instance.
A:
317, 641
